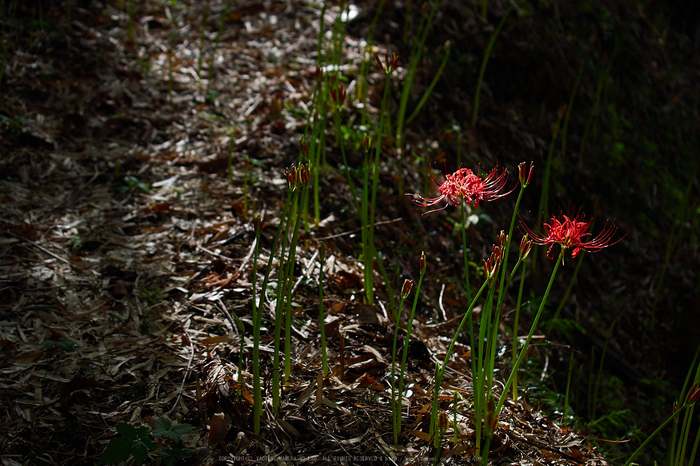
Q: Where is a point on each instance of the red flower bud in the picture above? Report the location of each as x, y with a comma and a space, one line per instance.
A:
290, 174
406, 289
525, 179
525, 247
257, 226
366, 142
304, 175
502, 239
423, 265
304, 147
443, 421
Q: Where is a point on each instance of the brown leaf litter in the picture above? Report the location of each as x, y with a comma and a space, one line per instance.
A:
126, 250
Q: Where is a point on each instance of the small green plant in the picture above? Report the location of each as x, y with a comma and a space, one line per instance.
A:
131, 182
62, 344
141, 443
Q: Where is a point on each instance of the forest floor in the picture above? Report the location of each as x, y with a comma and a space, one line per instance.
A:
134, 157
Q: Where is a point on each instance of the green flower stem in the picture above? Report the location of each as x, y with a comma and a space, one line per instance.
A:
515, 331
257, 322
289, 279
395, 407
369, 204
569, 107
523, 350
656, 432
405, 349
413, 62
441, 369
489, 47
429, 90
464, 249
321, 318
293, 201
363, 82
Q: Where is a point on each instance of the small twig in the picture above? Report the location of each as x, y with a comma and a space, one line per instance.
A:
187, 373
227, 314
38, 246
306, 273
359, 229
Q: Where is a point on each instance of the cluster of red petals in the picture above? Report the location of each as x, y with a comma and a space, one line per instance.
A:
464, 184
569, 232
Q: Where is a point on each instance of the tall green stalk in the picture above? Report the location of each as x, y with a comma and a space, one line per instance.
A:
407, 340
487, 54
257, 323
321, 318
395, 403
279, 308
441, 367
544, 194
523, 350
220, 31
413, 63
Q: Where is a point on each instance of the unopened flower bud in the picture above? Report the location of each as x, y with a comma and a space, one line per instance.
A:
304, 147
423, 265
303, 175
443, 421
406, 289
524, 177
290, 174
525, 247
502, 239
366, 142
338, 95
257, 226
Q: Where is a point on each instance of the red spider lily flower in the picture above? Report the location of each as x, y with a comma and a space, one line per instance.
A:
569, 232
390, 64
465, 184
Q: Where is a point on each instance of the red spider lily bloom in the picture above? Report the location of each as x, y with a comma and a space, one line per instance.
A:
465, 184
569, 232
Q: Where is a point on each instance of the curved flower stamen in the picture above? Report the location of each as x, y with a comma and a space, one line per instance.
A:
464, 184
569, 232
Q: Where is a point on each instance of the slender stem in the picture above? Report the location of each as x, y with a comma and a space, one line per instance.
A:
429, 90
441, 368
405, 349
523, 351
465, 252
655, 433
291, 260
489, 47
395, 405
515, 332
257, 322
321, 318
